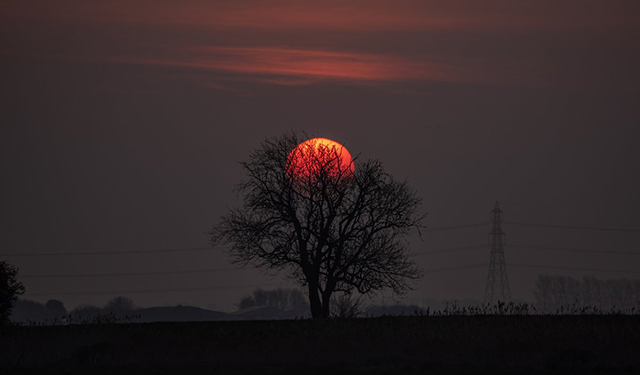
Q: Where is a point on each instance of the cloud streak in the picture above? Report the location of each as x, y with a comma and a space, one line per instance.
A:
298, 66
217, 67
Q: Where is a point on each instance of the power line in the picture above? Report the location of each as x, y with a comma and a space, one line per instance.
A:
576, 250
204, 270
113, 252
452, 250
457, 227
484, 246
135, 273
151, 291
570, 268
573, 227
467, 266
440, 251
70, 253
538, 207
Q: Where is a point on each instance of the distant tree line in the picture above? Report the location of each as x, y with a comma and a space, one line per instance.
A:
283, 299
27, 311
554, 293
343, 305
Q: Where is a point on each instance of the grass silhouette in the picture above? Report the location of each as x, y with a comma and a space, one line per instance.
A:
506, 338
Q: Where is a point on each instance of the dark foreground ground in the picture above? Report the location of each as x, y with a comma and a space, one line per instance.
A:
607, 344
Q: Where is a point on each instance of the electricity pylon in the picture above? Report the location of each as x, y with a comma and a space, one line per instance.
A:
497, 288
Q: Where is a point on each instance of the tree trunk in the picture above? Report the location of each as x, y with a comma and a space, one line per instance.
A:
314, 301
326, 303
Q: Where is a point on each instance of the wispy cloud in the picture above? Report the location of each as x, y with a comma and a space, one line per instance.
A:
286, 66
223, 67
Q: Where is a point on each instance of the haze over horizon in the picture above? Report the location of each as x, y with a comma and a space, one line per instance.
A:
124, 123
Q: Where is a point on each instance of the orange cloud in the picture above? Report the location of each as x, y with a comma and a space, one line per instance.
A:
319, 64
285, 66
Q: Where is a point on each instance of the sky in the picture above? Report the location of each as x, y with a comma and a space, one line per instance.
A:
124, 123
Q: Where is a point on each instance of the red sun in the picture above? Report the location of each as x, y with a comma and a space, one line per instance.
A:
319, 154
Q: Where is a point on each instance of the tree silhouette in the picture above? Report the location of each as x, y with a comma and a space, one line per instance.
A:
55, 309
554, 292
86, 312
283, 299
347, 306
120, 306
10, 289
331, 228
26, 310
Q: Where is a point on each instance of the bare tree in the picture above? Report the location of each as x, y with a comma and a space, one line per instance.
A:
85, 312
347, 306
635, 287
553, 292
283, 299
556, 292
571, 291
619, 294
565, 291
120, 306
544, 293
590, 291
331, 229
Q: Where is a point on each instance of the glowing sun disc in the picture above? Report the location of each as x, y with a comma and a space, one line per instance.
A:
314, 152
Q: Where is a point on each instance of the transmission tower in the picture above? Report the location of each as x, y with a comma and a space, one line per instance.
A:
497, 282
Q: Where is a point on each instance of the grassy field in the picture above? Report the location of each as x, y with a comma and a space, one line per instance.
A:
410, 345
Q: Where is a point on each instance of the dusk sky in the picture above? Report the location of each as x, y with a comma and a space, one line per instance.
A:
124, 122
